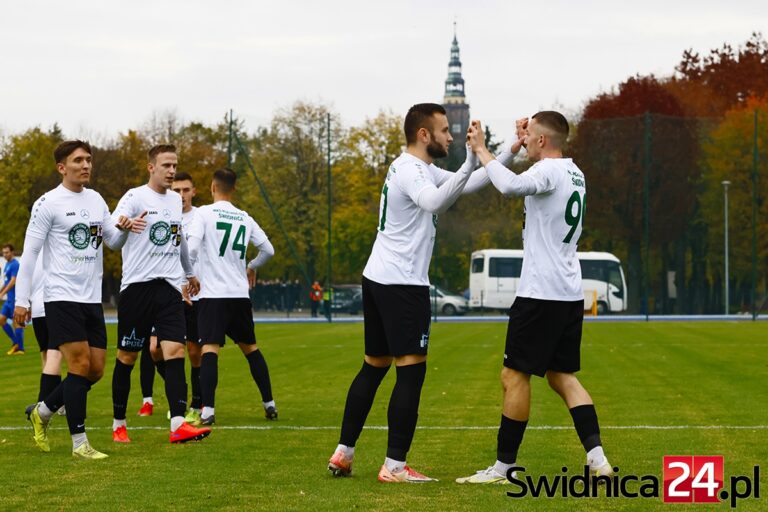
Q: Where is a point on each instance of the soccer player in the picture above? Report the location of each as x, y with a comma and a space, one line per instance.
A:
10, 272
185, 187
396, 305
69, 223
150, 294
220, 235
545, 320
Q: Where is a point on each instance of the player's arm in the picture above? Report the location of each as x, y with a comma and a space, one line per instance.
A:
266, 251
32, 247
432, 198
193, 285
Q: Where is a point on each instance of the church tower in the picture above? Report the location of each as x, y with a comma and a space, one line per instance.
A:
454, 100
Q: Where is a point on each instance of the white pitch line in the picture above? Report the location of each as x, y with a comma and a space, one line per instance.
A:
428, 427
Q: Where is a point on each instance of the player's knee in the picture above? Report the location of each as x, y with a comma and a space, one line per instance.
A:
511, 379
561, 382
126, 357
173, 351
379, 361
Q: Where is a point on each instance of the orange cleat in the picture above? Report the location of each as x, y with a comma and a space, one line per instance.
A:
187, 432
407, 475
120, 435
340, 464
146, 409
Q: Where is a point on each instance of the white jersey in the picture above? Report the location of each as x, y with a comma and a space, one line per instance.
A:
406, 233
71, 226
554, 217
38, 288
186, 222
154, 253
224, 232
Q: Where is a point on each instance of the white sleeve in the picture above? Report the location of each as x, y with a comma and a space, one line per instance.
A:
479, 179
266, 251
426, 195
196, 230
126, 206
536, 180
24, 282
114, 238
186, 261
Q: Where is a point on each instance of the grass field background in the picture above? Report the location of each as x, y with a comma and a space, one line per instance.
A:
640, 374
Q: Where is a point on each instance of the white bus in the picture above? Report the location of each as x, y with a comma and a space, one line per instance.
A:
495, 273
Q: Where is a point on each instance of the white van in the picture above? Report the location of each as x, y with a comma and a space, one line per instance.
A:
495, 273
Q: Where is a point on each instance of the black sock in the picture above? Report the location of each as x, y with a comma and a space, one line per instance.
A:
403, 409
75, 399
55, 398
176, 386
585, 421
47, 384
260, 374
161, 368
509, 438
360, 397
197, 401
146, 373
209, 378
121, 388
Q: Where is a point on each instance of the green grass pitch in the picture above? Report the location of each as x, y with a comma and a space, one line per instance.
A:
640, 375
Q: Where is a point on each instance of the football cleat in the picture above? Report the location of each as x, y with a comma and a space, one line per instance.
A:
86, 451
120, 435
146, 409
407, 475
18, 352
187, 432
62, 411
605, 469
484, 476
13, 349
270, 412
340, 464
40, 429
193, 417
210, 420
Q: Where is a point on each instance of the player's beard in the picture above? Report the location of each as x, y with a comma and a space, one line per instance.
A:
435, 150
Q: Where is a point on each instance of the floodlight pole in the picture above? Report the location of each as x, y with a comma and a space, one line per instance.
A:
330, 268
755, 158
725, 243
646, 208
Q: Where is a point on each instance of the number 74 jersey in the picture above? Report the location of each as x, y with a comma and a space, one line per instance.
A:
224, 232
554, 217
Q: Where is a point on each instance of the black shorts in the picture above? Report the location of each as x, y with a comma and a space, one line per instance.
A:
397, 319
217, 318
75, 321
40, 327
143, 306
544, 335
190, 316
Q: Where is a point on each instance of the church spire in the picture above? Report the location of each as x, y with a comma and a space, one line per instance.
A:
454, 84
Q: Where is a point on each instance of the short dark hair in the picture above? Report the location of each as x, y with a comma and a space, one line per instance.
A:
420, 116
68, 147
159, 148
9, 247
554, 121
225, 178
183, 176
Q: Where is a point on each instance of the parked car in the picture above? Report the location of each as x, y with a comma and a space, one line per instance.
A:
347, 298
447, 303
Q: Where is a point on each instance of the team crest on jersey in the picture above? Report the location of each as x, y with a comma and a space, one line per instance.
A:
161, 233
82, 235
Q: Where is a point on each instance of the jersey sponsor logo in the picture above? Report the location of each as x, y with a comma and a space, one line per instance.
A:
70, 214
132, 341
152, 212
166, 213
84, 213
161, 233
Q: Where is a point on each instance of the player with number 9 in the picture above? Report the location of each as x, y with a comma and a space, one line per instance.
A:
545, 320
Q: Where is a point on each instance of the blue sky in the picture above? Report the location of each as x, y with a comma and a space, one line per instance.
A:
100, 67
